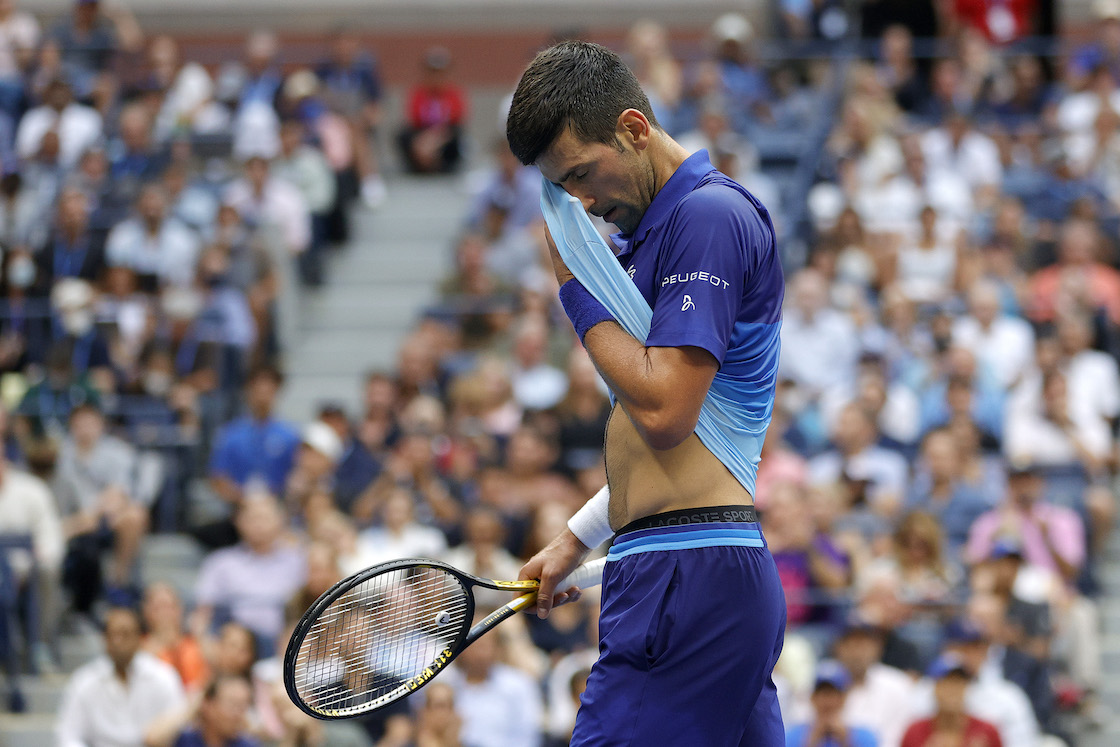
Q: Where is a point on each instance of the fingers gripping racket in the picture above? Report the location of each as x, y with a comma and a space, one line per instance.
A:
382, 634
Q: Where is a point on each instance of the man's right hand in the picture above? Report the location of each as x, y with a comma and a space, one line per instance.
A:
550, 566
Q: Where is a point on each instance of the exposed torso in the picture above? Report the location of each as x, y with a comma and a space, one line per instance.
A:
645, 481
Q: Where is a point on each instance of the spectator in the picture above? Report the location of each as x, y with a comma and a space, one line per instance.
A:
397, 535
233, 651
45, 407
1079, 279
119, 696
817, 339
102, 508
940, 489
27, 507
431, 141
500, 706
536, 384
251, 582
1052, 537
319, 453
77, 127
19, 38
133, 157
1102, 52
257, 446
988, 696
160, 249
878, 697
352, 87
25, 319
267, 202
306, 168
220, 718
167, 640
1001, 343
951, 720
828, 727
72, 249
873, 475
438, 723
482, 552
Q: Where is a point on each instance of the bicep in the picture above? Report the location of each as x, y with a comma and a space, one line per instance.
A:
687, 372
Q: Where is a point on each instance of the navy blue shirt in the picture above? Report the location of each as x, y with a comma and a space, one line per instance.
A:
704, 258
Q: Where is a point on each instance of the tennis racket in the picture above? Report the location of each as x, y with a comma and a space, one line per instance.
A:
385, 632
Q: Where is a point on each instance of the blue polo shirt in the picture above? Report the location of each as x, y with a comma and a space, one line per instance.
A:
247, 449
704, 258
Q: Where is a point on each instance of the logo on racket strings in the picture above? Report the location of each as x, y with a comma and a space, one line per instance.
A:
430, 671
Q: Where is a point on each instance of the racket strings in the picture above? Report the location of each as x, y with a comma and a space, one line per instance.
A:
368, 643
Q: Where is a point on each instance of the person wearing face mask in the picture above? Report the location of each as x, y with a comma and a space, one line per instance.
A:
73, 322
24, 333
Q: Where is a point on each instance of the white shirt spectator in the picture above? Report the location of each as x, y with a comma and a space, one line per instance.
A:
1005, 348
539, 387
881, 703
100, 710
307, 170
19, 31
280, 206
78, 128
253, 586
818, 353
27, 506
1030, 437
885, 471
1094, 384
171, 254
975, 158
503, 711
378, 544
990, 698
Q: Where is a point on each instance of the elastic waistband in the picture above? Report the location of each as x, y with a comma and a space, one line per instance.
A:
686, 516
687, 537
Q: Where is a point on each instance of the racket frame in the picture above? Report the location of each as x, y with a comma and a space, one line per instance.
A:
467, 635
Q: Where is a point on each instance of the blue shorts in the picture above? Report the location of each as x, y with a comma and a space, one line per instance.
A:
692, 623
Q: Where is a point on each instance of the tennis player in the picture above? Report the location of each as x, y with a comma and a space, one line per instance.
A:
693, 614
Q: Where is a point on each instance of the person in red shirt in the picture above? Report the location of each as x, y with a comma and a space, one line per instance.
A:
436, 109
950, 726
1001, 21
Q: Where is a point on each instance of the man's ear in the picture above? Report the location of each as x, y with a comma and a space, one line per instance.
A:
633, 127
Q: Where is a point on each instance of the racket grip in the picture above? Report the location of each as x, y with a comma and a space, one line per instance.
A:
586, 576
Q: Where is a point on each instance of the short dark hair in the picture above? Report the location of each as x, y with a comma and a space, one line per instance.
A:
573, 84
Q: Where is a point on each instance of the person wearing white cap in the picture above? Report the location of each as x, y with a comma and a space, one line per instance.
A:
319, 453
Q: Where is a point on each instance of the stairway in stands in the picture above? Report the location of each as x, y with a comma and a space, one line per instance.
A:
376, 288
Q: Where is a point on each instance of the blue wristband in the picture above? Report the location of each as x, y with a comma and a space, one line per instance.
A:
582, 308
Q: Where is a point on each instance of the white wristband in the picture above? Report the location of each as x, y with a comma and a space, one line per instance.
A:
591, 524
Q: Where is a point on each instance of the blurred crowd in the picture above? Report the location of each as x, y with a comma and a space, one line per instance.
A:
937, 485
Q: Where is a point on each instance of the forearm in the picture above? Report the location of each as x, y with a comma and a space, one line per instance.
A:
647, 383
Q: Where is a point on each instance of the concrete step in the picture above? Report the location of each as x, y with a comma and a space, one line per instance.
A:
43, 694
27, 730
368, 306
338, 352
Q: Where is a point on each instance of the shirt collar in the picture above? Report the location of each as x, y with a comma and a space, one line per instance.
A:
683, 181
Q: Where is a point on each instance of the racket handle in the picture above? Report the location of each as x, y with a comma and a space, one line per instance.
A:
585, 576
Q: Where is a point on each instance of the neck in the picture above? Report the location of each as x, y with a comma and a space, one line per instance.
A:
666, 156
950, 721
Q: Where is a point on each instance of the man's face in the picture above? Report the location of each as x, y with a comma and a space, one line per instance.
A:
614, 182
122, 637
